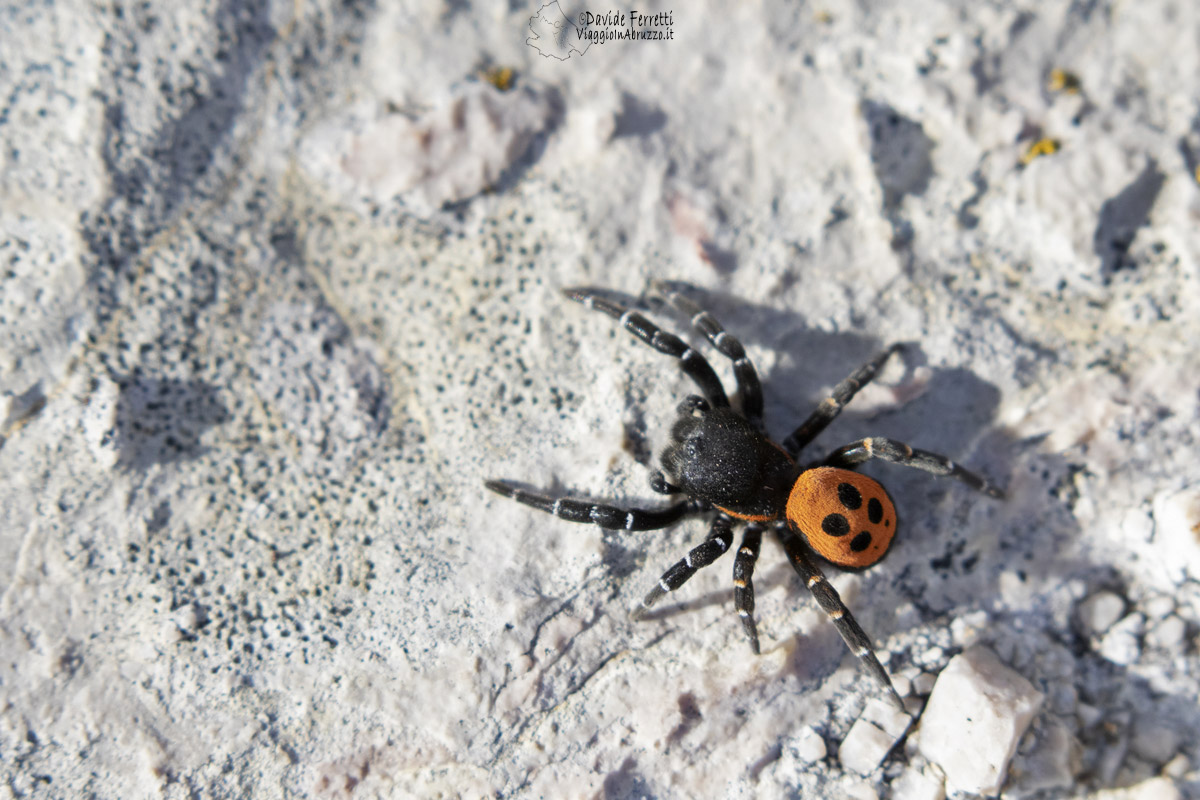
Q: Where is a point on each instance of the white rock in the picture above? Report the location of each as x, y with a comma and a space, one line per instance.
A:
1137, 526
932, 656
860, 790
1158, 606
966, 628
1122, 644
1168, 634
872, 737
915, 784
1177, 532
1100, 611
976, 715
810, 746
1177, 767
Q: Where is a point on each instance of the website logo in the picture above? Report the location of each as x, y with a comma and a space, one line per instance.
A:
555, 36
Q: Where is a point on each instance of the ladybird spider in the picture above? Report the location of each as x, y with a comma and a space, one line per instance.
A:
723, 461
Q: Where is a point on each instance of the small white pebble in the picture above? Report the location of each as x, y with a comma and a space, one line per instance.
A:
1176, 517
872, 737
933, 656
860, 790
1168, 634
1177, 767
1158, 606
810, 746
1137, 526
1122, 645
1099, 612
915, 784
1016, 591
976, 715
964, 630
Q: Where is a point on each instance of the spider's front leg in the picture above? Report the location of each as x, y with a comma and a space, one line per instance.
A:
743, 581
743, 368
719, 539
606, 516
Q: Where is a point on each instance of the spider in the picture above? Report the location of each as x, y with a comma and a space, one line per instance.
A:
724, 464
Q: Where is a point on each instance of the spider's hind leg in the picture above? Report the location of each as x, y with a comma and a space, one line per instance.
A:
831, 603
606, 516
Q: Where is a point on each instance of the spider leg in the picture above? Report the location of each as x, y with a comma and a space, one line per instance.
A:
743, 583
883, 449
832, 406
743, 369
611, 517
831, 603
720, 537
691, 362
660, 484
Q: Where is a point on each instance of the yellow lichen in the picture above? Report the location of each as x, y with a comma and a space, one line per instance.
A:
1042, 147
500, 77
1063, 81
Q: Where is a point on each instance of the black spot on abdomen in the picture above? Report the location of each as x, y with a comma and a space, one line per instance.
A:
851, 498
860, 542
874, 510
835, 525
